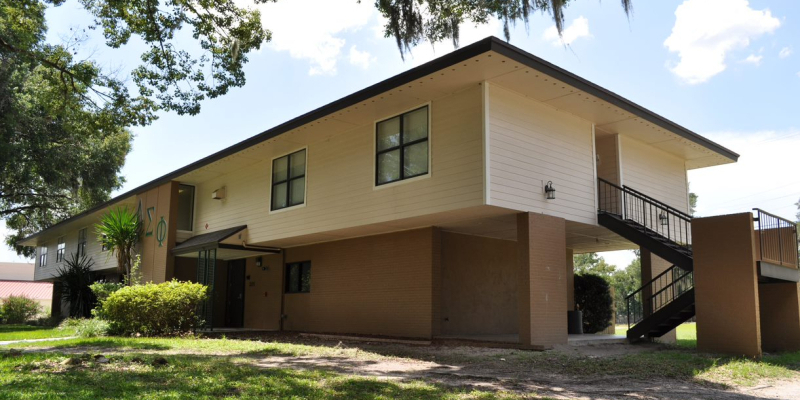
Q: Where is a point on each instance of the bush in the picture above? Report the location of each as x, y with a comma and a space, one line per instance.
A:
593, 298
101, 291
167, 308
86, 328
19, 309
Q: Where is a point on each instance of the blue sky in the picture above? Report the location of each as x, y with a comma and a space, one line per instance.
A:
727, 69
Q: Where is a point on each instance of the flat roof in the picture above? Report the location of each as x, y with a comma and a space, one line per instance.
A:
486, 45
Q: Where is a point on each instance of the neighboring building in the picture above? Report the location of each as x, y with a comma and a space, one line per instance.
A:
446, 201
16, 279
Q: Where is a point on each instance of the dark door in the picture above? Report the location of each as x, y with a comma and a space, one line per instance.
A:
234, 304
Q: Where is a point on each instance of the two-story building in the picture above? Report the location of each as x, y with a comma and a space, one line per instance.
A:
446, 201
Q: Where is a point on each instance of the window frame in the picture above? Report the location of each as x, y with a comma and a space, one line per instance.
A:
288, 180
43, 255
82, 243
61, 248
402, 146
194, 207
287, 286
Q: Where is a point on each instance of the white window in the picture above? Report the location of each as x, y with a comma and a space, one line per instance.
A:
43, 255
185, 207
82, 242
60, 250
401, 147
289, 180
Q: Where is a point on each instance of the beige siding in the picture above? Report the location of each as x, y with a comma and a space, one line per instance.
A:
102, 259
340, 179
531, 143
654, 173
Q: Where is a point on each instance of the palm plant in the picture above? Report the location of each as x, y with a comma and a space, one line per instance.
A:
76, 277
119, 231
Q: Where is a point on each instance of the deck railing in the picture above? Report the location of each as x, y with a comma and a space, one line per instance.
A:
650, 213
657, 293
777, 239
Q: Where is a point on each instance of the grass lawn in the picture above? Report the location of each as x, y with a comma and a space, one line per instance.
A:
226, 368
24, 332
687, 334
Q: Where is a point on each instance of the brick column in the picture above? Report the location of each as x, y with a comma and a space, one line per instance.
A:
570, 280
652, 265
541, 258
726, 285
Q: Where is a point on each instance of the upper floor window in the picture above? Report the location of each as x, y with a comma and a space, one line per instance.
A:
81, 242
402, 147
43, 255
185, 208
60, 250
289, 180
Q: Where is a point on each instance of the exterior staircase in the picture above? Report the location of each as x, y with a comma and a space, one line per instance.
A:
667, 300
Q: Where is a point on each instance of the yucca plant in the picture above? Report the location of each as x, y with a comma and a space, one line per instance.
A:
119, 231
76, 277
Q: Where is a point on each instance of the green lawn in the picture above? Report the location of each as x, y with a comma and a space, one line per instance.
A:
687, 334
23, 332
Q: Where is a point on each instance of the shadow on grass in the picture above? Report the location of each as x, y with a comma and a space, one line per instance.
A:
31, 376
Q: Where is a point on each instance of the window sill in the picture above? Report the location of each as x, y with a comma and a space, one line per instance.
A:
396, 183
287, 208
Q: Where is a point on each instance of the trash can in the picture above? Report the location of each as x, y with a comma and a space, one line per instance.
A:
575, 322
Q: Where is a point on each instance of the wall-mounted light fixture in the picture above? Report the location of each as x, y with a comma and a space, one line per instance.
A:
550, 191
218, 194
663, 218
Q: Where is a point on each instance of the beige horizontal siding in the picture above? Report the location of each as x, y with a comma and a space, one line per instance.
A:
654, 173
340, 178
102, 259
531, 143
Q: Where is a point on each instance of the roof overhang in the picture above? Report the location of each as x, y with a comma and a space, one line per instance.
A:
489, 60
230, 243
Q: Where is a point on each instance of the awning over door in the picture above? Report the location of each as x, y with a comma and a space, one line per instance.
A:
229, 244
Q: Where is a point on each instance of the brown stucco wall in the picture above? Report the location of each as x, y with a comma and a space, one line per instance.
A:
377, 285
780, 316
157, 261
262, 293
652, 265
542, 287
726, 288
479, 285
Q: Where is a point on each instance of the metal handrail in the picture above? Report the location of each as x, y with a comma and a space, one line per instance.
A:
771, 238
659, 297
651, 214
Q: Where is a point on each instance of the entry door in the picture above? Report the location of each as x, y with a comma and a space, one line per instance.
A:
234, 304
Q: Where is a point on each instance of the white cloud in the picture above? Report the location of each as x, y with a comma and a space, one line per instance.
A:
760, 176
360, 58
313, 31
7, 254
706, 31
579, 28
785, 52
753, 59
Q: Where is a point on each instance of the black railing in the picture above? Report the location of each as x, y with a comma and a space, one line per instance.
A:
657, 293
777, 239
649, 213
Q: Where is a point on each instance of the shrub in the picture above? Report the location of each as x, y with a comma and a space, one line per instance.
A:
86, 327
593, 298
76, 276
101, 291
19, 309
167, 308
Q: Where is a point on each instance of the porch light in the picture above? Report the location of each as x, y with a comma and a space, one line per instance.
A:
550, 191
663, 218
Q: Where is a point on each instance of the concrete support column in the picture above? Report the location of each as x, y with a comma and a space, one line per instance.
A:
570, 281
726, 285
541, 258
780, 316
652, 266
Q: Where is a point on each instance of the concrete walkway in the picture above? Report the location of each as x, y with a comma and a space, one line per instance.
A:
7, 342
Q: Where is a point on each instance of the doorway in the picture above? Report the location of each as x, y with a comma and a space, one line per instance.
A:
234, 298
